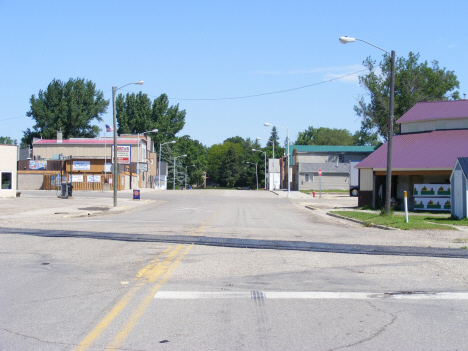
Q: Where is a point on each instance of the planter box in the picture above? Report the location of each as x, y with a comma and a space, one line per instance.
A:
415, 192
427, 192
443, 192
418, 206
434, 206
447, 207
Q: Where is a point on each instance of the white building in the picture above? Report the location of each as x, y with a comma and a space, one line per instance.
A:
8, 156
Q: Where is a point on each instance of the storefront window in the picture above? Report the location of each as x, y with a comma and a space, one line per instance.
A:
6, 180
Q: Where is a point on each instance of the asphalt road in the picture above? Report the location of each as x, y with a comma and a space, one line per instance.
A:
70, 293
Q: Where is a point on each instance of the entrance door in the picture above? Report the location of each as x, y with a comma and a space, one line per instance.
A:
458, 192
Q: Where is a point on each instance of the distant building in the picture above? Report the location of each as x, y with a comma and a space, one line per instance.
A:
333, 161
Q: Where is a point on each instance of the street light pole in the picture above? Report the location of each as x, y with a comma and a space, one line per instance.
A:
256, 171
273, 143
138, 154
388, 188
264, 153
287, 152
114, 89
159, 164
173, 185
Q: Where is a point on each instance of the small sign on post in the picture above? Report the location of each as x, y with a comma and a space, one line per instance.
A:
136, 194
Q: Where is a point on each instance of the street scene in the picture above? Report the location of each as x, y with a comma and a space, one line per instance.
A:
78, 274
233, 175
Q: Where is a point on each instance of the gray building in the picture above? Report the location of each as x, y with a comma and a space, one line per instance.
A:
333, 161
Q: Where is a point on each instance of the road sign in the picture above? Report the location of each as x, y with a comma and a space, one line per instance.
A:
320, 172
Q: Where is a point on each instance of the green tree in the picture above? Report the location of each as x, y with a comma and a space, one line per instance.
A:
230, 167
325, 136
274, 136
68, 106
137, 114
7, 141
414, 82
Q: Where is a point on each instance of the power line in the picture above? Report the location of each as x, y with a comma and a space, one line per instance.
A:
262, 94
6, 119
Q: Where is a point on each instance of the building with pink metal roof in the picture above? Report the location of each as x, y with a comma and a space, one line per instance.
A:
432, 136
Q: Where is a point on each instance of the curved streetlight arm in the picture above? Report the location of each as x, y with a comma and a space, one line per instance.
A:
346, 40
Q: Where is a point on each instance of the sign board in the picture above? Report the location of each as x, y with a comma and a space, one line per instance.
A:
123, 154
93, 178
320, 172
77, 178
81, 165
37, 165
143, 167
136, 194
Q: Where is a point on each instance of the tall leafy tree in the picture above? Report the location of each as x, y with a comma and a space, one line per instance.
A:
414, 82
68, 106
136, 113
7, 141
230, 167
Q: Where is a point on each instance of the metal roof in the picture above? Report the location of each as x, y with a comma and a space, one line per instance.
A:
91, 141
436, 110
327, 167
421, 151
463, 161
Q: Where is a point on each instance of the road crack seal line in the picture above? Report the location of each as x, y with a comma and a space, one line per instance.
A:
374, 335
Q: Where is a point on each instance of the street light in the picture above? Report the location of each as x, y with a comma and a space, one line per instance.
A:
186, 174
173, 185
138, 156
388, 189
159, 164
114, 89
256, 172
287, 152
273, 143
265, 162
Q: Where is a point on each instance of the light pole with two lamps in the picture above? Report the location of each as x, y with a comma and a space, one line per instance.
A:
256, 172
159, 164
115, 163
173, 185
287, 152
265, 163
388, 188
138, 158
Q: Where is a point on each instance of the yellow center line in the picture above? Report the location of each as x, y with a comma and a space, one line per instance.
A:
124, 332
149, 273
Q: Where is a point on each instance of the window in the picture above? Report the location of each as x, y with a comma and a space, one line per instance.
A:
6, 180
309, 178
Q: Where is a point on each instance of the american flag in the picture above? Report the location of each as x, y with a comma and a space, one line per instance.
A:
109, 128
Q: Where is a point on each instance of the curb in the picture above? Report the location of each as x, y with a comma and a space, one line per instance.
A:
361, 222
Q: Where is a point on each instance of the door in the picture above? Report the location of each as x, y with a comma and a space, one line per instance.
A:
458, 188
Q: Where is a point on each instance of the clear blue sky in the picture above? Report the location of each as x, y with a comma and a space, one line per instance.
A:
216, 49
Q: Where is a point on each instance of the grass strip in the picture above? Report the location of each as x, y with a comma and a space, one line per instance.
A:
395, 221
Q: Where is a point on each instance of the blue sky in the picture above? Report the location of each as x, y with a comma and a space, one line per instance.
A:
216, 49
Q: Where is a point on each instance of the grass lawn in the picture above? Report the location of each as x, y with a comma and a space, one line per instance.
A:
397, 221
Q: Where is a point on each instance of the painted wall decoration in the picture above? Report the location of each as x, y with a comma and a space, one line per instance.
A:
432, 197
431, 190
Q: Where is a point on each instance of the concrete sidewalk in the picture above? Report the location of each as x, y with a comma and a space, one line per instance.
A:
45, 204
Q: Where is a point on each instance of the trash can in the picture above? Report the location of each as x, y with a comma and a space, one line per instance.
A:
69, 189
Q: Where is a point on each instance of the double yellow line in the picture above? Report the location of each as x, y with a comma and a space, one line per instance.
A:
158, 271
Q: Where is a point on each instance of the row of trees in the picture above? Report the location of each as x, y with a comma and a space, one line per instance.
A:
74, 106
